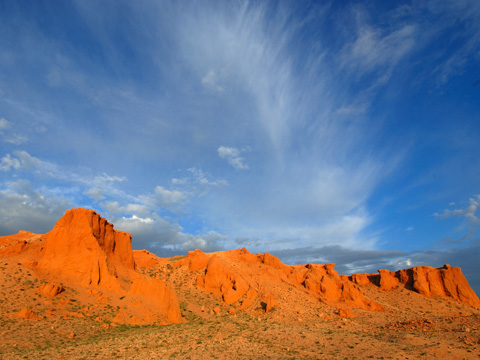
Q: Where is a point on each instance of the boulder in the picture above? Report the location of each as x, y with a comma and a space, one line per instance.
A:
50, 289
270, 303
27, 313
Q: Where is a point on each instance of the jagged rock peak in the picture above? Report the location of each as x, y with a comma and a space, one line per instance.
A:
84, 244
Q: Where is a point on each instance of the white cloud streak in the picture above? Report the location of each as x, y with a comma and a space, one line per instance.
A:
373, 49
468, 213
7, 163
4, 124
8, 134
232, 155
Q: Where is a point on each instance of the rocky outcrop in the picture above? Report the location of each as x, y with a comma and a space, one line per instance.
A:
84, 252
229, 285
145, 259
27, 313
325, 281
234, 276
84, 245
84, 248
50, 290
196, 260
387, 280
445, 281
360, 279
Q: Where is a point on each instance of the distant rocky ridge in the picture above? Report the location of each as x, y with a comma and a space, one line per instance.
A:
237, 275
84, 250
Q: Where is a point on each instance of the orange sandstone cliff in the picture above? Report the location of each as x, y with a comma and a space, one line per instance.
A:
84, 252
446, 281
84, 245
240, 278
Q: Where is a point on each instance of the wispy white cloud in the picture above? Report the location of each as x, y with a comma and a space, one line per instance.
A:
232, 155
164, 197
23, 160
465, 38
101, 185
345, 230
130, 209
4, 124
8, 133
200, 178
375, 49
7, 163
136, 218
16, 139
468, 213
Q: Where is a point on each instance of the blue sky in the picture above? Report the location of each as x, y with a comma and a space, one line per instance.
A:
344, 132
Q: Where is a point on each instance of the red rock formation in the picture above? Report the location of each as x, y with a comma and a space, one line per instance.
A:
196, 260
445, 281
50, 289
387, 281
84, 245
271, 260
270, 303
325, 281
240, 279
83, 248
360, 279
219, 279
26, 313
145, 259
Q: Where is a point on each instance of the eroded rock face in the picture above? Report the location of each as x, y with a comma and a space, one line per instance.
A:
50, 290
145, 259
86, 249
195, 260
243, 282
219, 279
360, 279
325, 281
387, 280
445, 281
85, 245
